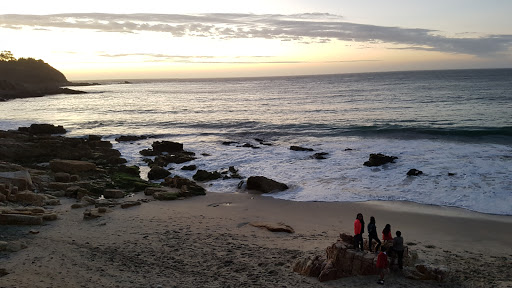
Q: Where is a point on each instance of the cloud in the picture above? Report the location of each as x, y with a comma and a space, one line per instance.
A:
304, 28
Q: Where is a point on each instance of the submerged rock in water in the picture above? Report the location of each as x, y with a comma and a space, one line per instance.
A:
379, 159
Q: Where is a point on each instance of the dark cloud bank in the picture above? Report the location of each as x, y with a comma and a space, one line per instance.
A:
306, 28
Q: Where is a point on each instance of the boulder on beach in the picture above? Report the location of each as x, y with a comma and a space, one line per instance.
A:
264, 185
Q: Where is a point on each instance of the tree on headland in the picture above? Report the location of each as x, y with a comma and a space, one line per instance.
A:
7, 56
29, 71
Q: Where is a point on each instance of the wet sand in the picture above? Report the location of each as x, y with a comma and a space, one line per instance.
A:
207, 241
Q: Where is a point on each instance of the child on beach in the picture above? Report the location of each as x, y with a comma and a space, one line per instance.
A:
386, 233
382, 264
358, 232
372, 235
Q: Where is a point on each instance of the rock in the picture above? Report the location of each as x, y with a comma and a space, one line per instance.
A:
113, 194
264, 185
187, 187
43, 129
94, 213
167, 146
414, 172
166, 195
30, 198
72, 166
298, 148
309, 266
203, 175
273, 227
130, 138
20, 179
158, 172
379, 159
129, 204
189, 167
20, 219
62, 177
320, 155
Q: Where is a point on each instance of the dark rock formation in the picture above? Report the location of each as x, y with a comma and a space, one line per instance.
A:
158, 172
414, 172
189, 167
298, 148
187, 187
130, 138
320, 155
264, 185
43, 129
203, 175
379, 159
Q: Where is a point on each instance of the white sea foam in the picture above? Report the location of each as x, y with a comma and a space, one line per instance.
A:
456, 122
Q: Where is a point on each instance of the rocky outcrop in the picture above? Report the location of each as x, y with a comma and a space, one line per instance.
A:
379, 159
25, 216
341, 260
264, 185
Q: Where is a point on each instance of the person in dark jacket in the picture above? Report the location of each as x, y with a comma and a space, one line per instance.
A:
372, 235
398, 248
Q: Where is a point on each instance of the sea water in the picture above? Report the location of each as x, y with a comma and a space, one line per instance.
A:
454, 125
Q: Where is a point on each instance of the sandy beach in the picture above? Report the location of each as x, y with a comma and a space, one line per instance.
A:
207, 241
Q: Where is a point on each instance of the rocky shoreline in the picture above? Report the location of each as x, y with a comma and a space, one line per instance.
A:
10, 90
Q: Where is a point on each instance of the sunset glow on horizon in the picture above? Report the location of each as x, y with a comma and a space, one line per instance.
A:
198, 39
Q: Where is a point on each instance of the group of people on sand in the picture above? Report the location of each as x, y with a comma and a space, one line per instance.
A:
396, 247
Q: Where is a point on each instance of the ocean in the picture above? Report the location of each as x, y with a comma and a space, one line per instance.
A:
454, 125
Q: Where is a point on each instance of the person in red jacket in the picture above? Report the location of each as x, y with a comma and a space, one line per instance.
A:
386, 233
358, 232
382, 264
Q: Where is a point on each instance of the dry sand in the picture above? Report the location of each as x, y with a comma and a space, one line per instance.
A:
206, 241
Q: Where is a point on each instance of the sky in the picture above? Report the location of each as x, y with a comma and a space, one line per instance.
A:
93, 39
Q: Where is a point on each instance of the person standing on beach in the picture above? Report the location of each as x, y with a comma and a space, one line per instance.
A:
386, 233
382, 264
398, 248
372, 234
358, 232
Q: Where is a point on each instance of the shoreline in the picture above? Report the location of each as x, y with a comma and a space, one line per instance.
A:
206, 241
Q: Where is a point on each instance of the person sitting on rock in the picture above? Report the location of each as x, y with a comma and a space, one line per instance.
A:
386, 233
358, 232
382, 264
372, 234
398, 248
